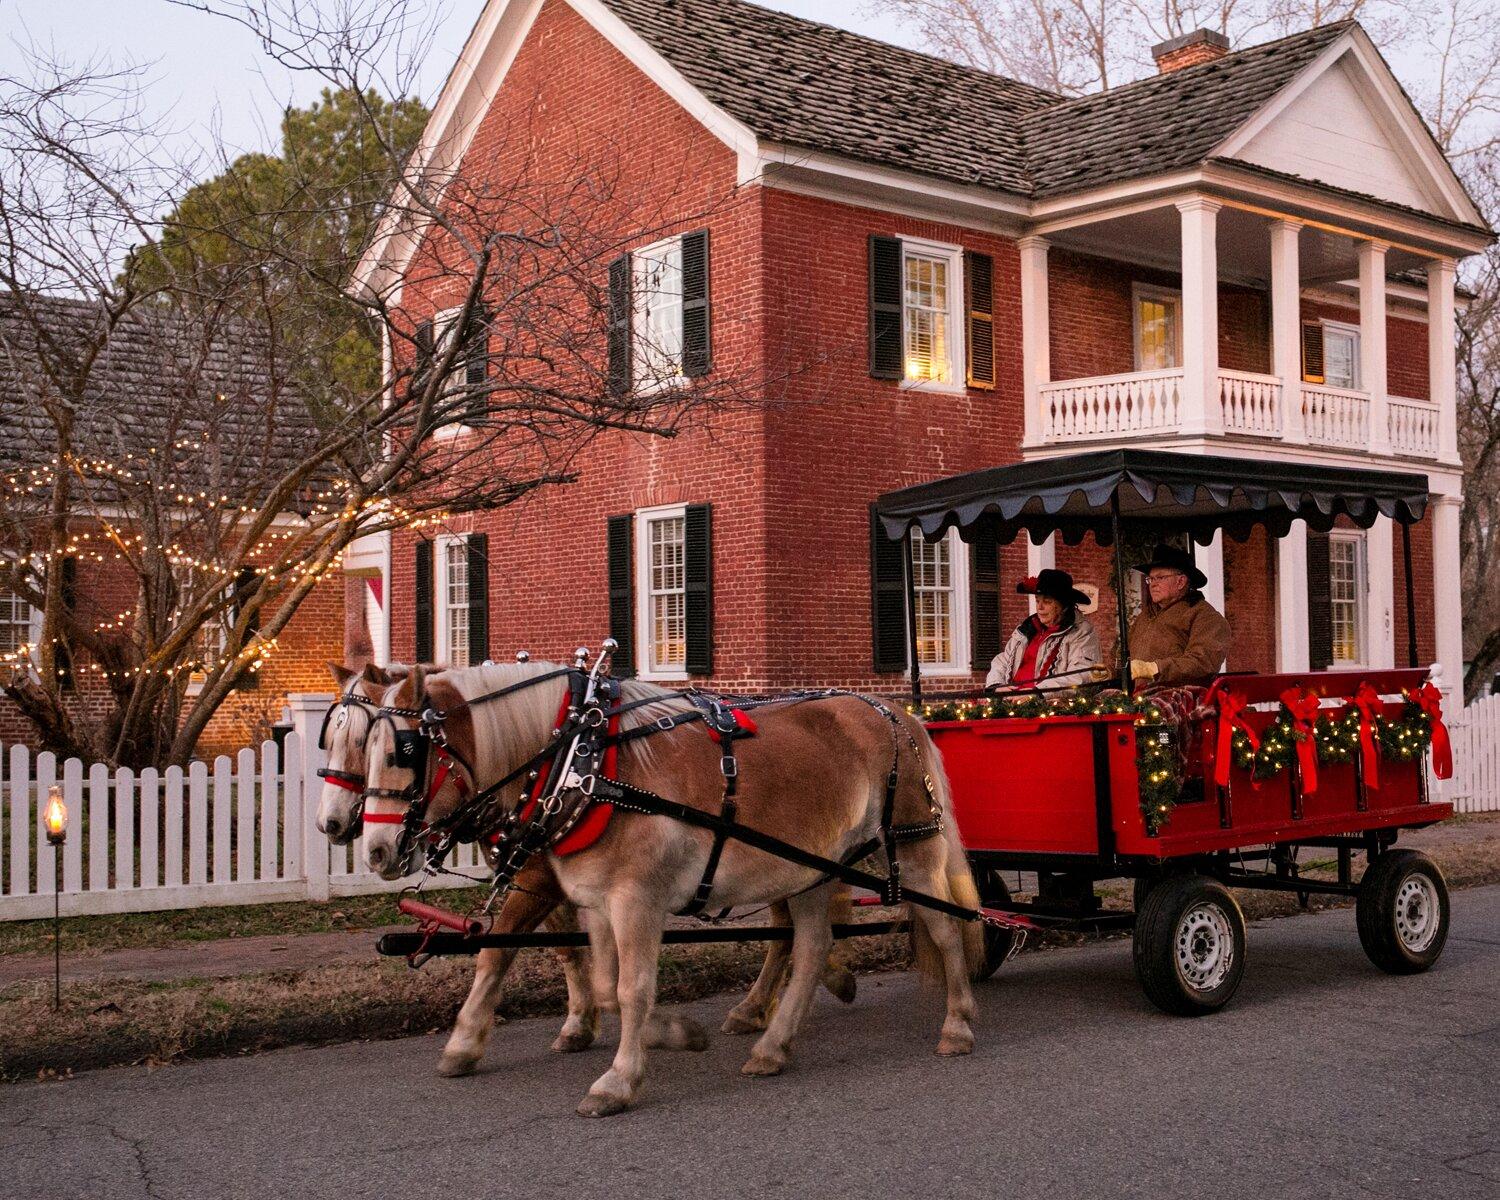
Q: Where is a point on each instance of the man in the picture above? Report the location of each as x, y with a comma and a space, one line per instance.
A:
1180, 638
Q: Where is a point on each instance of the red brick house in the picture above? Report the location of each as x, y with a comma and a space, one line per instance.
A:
1251, 253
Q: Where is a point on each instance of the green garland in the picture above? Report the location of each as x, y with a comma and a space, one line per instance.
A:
1337, 736
1156, 761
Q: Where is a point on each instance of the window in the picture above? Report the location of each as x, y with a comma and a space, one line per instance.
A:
931, 307
1340, 355
1158, 328
1346, 601
941, 587
453, 601
470, 369
661, 585
656, 334
19, 630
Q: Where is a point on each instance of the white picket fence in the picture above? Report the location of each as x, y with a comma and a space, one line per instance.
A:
1475, 786
234, 831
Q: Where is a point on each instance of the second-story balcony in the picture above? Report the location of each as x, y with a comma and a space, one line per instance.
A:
1251, 327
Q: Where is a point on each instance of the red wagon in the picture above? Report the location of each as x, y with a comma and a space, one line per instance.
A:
1060, 795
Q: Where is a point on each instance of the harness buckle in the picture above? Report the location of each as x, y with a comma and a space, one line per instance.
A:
729, 766
666, 724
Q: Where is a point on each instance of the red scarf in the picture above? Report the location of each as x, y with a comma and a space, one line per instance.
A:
1027, 672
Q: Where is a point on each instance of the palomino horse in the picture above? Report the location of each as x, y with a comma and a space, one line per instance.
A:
535, 901
815, 774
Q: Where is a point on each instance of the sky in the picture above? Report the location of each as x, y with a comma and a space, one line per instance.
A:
207, 73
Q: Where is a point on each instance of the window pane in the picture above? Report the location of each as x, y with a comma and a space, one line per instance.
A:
1156, 331
15, 624
668, 593
932, 577
1340, 353
1344, 598
456, 602
926, 319
658, 302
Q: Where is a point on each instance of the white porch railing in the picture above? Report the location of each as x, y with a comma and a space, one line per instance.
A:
1336, 417
1107, 405
1251, 403
237, 831
1414, 427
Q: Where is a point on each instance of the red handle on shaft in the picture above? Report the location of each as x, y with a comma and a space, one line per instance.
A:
469, 926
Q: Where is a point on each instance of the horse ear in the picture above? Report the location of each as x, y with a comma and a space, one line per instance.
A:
341, 674
374, 675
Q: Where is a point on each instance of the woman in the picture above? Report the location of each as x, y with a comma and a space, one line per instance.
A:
1052, 648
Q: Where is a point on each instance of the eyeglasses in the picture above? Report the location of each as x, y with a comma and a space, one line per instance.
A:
1164, 578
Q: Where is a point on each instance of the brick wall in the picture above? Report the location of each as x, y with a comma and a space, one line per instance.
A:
1405, 346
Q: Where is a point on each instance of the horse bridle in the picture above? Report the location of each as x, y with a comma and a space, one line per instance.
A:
348, 780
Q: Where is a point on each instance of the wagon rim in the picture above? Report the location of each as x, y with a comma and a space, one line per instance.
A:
1205, 946
1417, 912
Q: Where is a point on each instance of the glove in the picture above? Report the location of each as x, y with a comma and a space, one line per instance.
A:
1100, 672
1140, 670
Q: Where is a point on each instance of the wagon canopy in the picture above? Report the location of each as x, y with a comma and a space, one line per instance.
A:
1196, 494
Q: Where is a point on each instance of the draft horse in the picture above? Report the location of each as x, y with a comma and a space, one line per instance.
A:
824, 772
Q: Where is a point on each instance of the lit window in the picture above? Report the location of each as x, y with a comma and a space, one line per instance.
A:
666, 594
455, 602
656, 334
16, 617
1158, 318
1346, 598
939, 583
1341, 356
928, 317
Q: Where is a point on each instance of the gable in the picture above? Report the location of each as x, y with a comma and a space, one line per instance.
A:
1331, 134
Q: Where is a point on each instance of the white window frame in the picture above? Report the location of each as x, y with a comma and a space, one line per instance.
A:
647, 368
646, 665
1166, 295
1361, 614
33, 634
958, 360
958, 582
441, 612
444, 328
1340, 329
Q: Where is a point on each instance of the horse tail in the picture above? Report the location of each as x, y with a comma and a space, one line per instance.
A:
955, 873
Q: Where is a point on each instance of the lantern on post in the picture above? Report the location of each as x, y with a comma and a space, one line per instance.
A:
55, 821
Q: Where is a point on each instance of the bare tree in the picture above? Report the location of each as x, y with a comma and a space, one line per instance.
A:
225, 499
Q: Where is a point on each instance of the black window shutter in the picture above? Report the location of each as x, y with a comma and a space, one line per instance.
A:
423, 346
622, 595
887, 597
1312, 353
477, 364
885, 307
979, 277
697, 575
245, 581
619, 326
1319, 603
63, 659
422, 603
984, 597
696, 344
479, 598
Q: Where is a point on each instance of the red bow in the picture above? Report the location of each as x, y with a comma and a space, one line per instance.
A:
1367, 701
1430, 701
1231, 710
1303, 707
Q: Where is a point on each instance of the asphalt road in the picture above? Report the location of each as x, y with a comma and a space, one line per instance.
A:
1324, 1078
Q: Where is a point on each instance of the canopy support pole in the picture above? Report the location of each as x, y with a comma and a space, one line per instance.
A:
911, 621
1411, 607
1120, 613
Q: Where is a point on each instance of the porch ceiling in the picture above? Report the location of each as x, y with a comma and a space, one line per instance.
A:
1153, 238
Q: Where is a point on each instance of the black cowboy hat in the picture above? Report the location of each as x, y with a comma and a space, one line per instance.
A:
1056, 585
1170, 558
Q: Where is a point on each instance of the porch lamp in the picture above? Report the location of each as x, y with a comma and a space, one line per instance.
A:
55, 820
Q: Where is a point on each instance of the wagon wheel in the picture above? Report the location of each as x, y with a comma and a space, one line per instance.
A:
999, 942
1402, 912
1189, 946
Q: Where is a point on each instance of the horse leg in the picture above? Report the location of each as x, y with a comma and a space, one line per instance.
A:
938, 936
751, 1014
636, 930
812, 939
582, 1023
521, 913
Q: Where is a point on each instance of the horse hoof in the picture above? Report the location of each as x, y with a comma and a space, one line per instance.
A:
760, 1064
736, 1024
952, 1047
452, 1066
689, 1035
841, 984
572, 1043
597, 1105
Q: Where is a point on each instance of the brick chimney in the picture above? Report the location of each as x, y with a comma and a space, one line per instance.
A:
1200, 46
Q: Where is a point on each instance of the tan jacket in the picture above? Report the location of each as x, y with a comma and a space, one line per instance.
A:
1187, 640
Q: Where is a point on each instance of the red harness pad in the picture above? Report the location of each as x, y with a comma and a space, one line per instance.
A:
596, 819
748, 727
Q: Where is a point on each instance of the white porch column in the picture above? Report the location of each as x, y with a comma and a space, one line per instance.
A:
1041, 558
1448, 603
1441, 349
1286, 329
1380, 588
1210, 560
1292, 650
1036, 351
1201, 411
1372, 355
